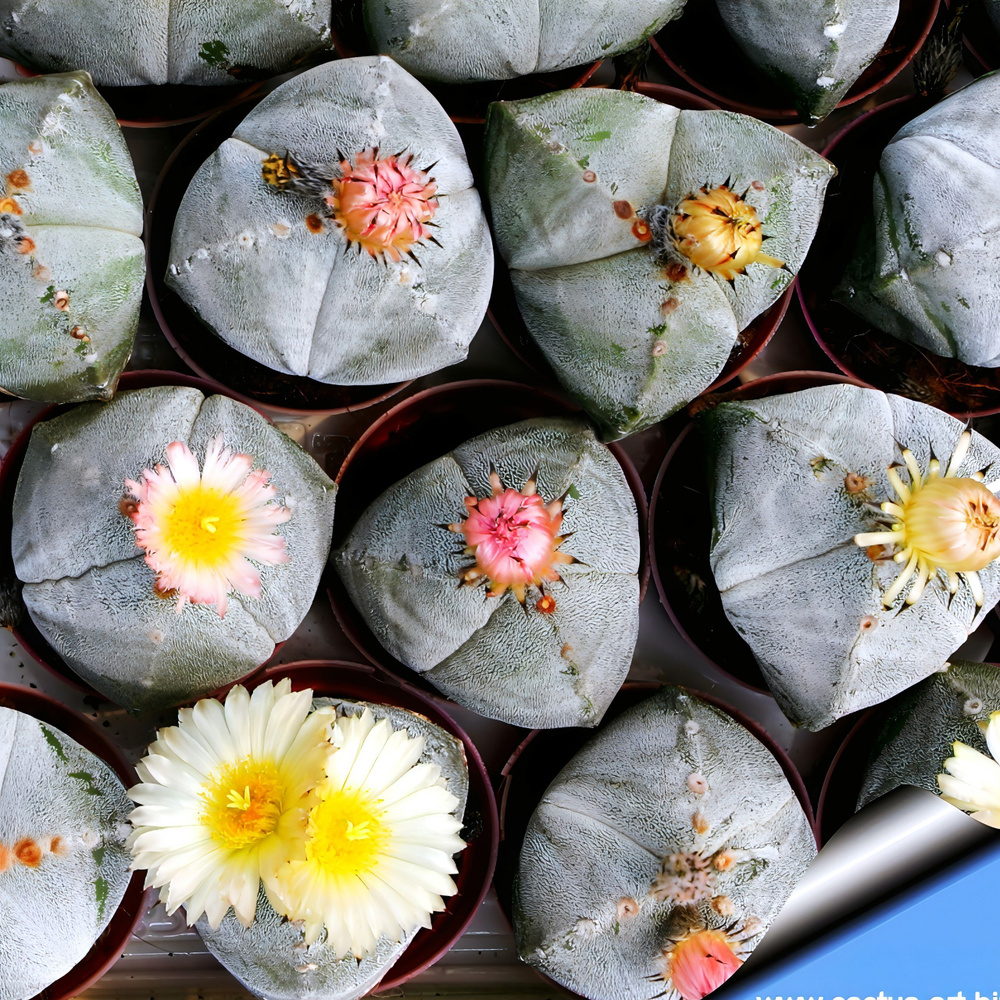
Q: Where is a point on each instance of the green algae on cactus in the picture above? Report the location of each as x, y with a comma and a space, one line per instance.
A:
154, 601
854, 541
925, 274
642, 239
461, 41
64, 867
72, 263
337, 234
122, 43
508, 565
659, 855
814, 49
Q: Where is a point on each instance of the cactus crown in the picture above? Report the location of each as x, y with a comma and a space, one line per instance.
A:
943, 523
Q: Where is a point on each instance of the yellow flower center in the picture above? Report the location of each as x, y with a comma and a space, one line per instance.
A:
243, 803
346, 833
204, 527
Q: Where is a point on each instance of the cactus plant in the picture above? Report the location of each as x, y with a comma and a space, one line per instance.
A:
852, 568
474, 40
815, 50
920, 728
533, 591
72, 263
63, 861
137, 573
922, 274
337, 234
636, 237
659, 855
123, 44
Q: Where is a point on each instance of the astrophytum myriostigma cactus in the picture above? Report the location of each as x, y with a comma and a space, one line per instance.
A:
505, 573
123, 43
167, 541
468, 40
922, 726
659, 855
854, 541
72, 263
926, 274
337, 234
814, 49
642, 239
64, 867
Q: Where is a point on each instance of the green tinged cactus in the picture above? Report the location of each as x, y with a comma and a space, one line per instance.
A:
814, 49
64, 867
337, 234
193, 613
72, 263
841, 610
459, 41
271, 957
659, 855
123, 43
926, 273
642, 239
527, 610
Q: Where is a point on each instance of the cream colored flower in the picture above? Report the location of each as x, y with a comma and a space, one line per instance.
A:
972, 781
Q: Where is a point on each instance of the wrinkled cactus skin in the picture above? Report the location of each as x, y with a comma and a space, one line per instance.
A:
490, 654
270, 957
74, 229
920, 727
303, 301
618, 810
926, 274
814, 49
86, 585
631, 334
55, 908
124, 43
794, 584
460, 41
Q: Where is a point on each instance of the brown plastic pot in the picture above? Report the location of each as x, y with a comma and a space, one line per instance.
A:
859, 350
25, 631
680, 526
544, 753
981, 38
334, 678
838, 798
109, 946
418, 430
223, 366
724, 74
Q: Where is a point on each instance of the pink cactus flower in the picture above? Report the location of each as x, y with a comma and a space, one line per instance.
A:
701, 963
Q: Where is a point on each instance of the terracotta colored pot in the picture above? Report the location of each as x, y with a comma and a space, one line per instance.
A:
723, 73
215, 361
838, 798
981, 38
25, 631
860, 351
108, 947
332, 678
418, 430
680, 524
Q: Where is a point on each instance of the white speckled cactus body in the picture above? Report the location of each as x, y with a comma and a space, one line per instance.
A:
64, 867
337, 234
271, 957
921, 727
123, 43
926, 276
552, 652
469, 40
72, 263
673, 828
815, 50
590, 191
794, 479
88, 587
